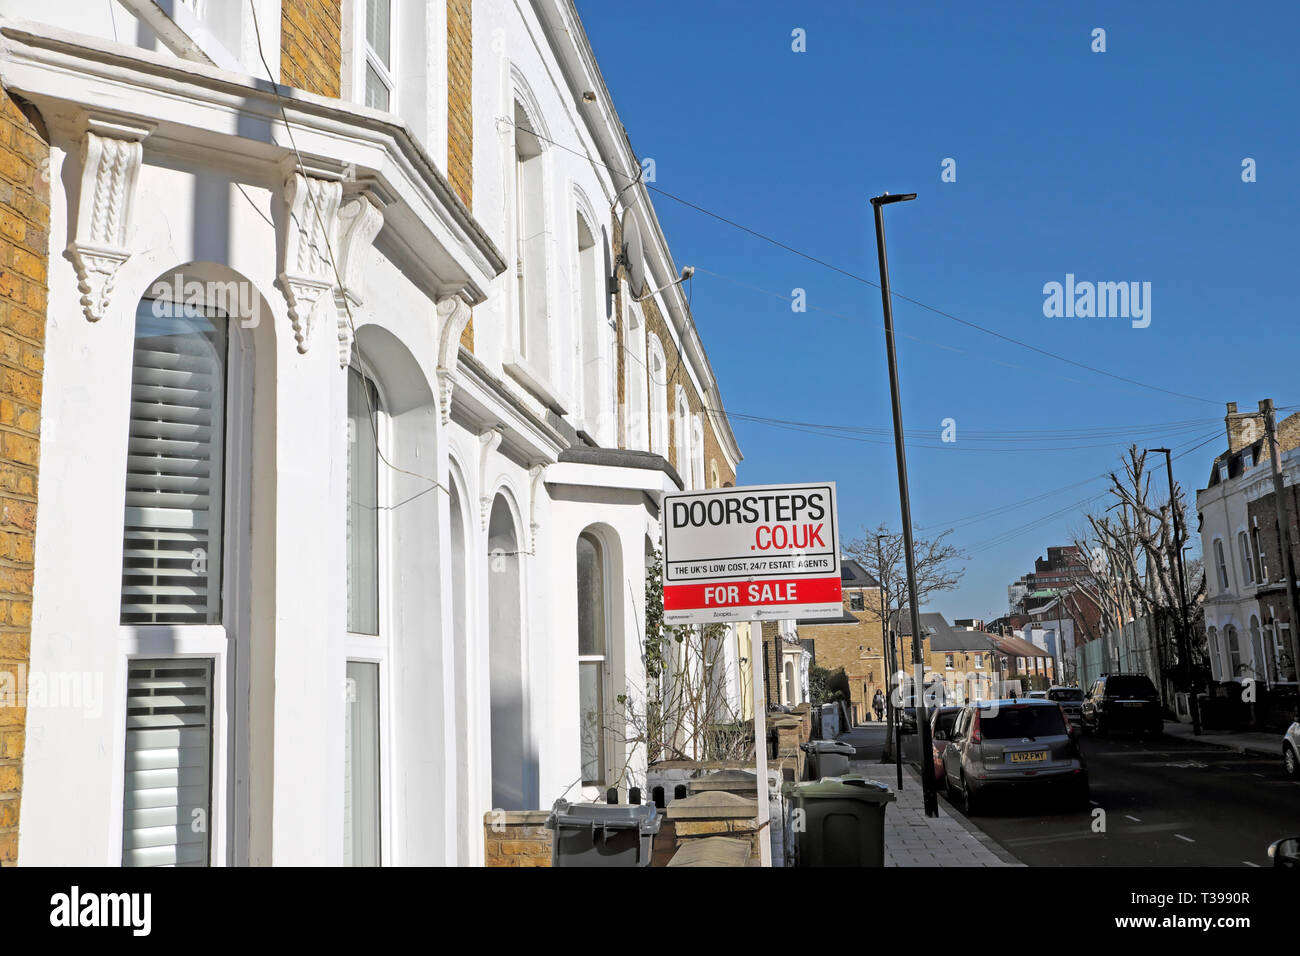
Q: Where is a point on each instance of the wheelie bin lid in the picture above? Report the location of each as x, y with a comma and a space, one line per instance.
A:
850, 786
604, 816
828, 747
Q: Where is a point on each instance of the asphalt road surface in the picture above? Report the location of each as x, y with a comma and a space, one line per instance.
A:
1166, 802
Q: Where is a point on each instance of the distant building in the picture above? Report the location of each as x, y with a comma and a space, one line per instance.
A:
1246, 620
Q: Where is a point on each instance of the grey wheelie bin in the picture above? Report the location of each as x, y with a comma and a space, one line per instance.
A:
602, 834
827, 758
838, 821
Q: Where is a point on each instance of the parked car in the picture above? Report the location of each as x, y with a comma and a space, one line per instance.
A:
941, 722
1291, 751
1036, 695
1285, 852
1123, 702
1008, 745
1070, 699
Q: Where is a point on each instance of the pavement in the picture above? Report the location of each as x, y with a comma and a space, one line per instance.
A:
912, 838
1245, 741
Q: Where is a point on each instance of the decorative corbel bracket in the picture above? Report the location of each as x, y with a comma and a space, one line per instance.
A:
535, 475
111, 153
360, 218
312, 207
453, 316
489, 442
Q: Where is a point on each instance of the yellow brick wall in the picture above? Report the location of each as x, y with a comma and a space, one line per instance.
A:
311, 45
460, 113
858, 648
516, 838
24, 256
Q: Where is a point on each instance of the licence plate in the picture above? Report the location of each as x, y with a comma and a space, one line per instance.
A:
1030, 756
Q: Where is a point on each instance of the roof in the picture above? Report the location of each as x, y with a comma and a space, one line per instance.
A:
854, 575
1010, 644
943, 637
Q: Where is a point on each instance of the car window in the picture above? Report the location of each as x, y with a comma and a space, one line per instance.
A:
1021, 721
945, 722
1065, 693
1131, 686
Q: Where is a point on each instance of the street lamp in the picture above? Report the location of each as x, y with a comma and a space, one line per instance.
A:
893, 728
1185, 644
918, 660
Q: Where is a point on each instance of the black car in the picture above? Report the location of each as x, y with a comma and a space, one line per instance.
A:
1123, 702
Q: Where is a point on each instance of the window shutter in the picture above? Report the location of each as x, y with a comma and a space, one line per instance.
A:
171, 556
168, 763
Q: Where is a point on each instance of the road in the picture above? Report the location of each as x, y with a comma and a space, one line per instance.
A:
1166, 802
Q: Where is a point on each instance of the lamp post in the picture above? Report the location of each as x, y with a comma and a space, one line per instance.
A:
893, 741
1185, 643
918, 638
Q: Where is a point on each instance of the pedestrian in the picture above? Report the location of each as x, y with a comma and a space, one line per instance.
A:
878, 704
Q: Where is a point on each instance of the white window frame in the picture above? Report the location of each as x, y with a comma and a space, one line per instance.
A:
358, 54
597, 790
658, 392
373, 648
1221, 565
682, 431
223, 644
1247, 561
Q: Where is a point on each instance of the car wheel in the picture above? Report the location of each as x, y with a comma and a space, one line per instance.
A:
968, 805
1290, 762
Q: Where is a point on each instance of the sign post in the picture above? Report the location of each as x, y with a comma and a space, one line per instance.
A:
762, 552
757, 553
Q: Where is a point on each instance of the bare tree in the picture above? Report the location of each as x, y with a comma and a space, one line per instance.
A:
1133, 552
936, 565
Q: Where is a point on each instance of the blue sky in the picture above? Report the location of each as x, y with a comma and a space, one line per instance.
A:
1116, 166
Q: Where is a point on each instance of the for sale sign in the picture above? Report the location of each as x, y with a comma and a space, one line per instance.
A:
744, 554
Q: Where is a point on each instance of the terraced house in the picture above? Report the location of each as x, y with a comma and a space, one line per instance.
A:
334, 457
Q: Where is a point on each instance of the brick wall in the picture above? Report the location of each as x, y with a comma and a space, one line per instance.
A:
460, 114
858, 648
24, 256
311, 45
516, 838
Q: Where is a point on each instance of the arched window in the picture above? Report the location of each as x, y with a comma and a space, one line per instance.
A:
1259, 668
363, 504
658, 371
789, 683
1221, 563
174, 524
593, 642
636, 391
1234, 651
1216, 658
682, 427
1247, 558
714, 479
697, 452
361, 753
530, 245
591, 329
174, 552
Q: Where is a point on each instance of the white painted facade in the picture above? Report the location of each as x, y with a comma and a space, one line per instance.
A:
1243, 644
169, 129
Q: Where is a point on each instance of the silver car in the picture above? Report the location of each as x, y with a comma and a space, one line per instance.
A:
1008, 745
1071, 701
1291, 751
